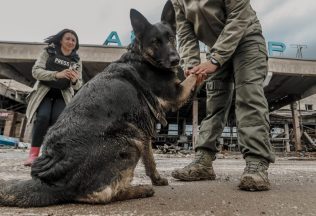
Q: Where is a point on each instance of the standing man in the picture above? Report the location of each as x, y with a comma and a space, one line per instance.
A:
237, 59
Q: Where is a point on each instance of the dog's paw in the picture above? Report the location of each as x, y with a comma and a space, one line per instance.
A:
160, 182
150, 192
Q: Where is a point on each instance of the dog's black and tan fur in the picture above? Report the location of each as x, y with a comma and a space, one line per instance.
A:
91, 152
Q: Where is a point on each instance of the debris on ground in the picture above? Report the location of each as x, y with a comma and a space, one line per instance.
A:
173, 149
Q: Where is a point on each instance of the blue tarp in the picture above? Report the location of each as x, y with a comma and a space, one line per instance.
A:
4, 140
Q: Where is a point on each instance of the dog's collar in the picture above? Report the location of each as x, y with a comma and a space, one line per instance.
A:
160, 116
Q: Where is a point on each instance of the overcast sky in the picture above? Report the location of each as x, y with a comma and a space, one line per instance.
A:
287, 21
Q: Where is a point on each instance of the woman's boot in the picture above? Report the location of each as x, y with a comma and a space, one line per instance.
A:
34, 152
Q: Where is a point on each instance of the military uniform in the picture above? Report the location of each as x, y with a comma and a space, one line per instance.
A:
232, 32
233, 35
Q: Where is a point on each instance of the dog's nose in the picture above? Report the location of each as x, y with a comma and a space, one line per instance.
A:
174, 61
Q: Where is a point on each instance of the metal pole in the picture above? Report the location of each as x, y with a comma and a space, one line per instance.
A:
184, 124
296, 127
195, 121
287, 137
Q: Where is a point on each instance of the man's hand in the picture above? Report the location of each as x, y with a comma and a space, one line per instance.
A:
201, 71
204, 68
200, 79
187, 73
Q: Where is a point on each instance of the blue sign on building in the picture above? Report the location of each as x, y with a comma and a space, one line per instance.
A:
113, 38
274, 46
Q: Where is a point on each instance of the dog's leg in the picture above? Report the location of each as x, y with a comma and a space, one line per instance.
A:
150, 166
134, 192
186, 88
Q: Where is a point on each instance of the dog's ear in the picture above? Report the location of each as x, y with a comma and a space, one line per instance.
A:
139, 23
168, 15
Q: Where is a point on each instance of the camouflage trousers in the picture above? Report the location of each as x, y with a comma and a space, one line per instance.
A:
244, 73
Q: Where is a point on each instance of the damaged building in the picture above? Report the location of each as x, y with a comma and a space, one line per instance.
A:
289, 88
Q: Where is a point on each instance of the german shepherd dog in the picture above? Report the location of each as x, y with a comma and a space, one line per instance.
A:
90, 153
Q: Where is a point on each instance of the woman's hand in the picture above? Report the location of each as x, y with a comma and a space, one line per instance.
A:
74, 76
63, 74
68, 74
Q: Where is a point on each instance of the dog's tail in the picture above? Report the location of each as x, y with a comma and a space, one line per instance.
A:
29, 193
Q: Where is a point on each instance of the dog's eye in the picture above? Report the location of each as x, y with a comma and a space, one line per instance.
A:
155, 41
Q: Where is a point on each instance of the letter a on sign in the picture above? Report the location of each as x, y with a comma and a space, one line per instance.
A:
113, 38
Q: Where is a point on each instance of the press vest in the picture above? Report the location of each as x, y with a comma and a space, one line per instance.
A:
58, 62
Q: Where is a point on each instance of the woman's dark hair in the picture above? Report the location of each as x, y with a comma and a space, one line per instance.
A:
55, 39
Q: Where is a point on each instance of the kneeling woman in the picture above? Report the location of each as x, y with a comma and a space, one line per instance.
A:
58, 73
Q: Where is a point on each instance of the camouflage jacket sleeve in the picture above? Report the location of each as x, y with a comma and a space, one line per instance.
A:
78, 84
235, 27
39, 72
187, 41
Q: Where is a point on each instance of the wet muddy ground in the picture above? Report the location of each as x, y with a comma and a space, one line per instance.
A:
293, 190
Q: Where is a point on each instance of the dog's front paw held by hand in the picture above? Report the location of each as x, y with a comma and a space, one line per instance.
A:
160, 182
